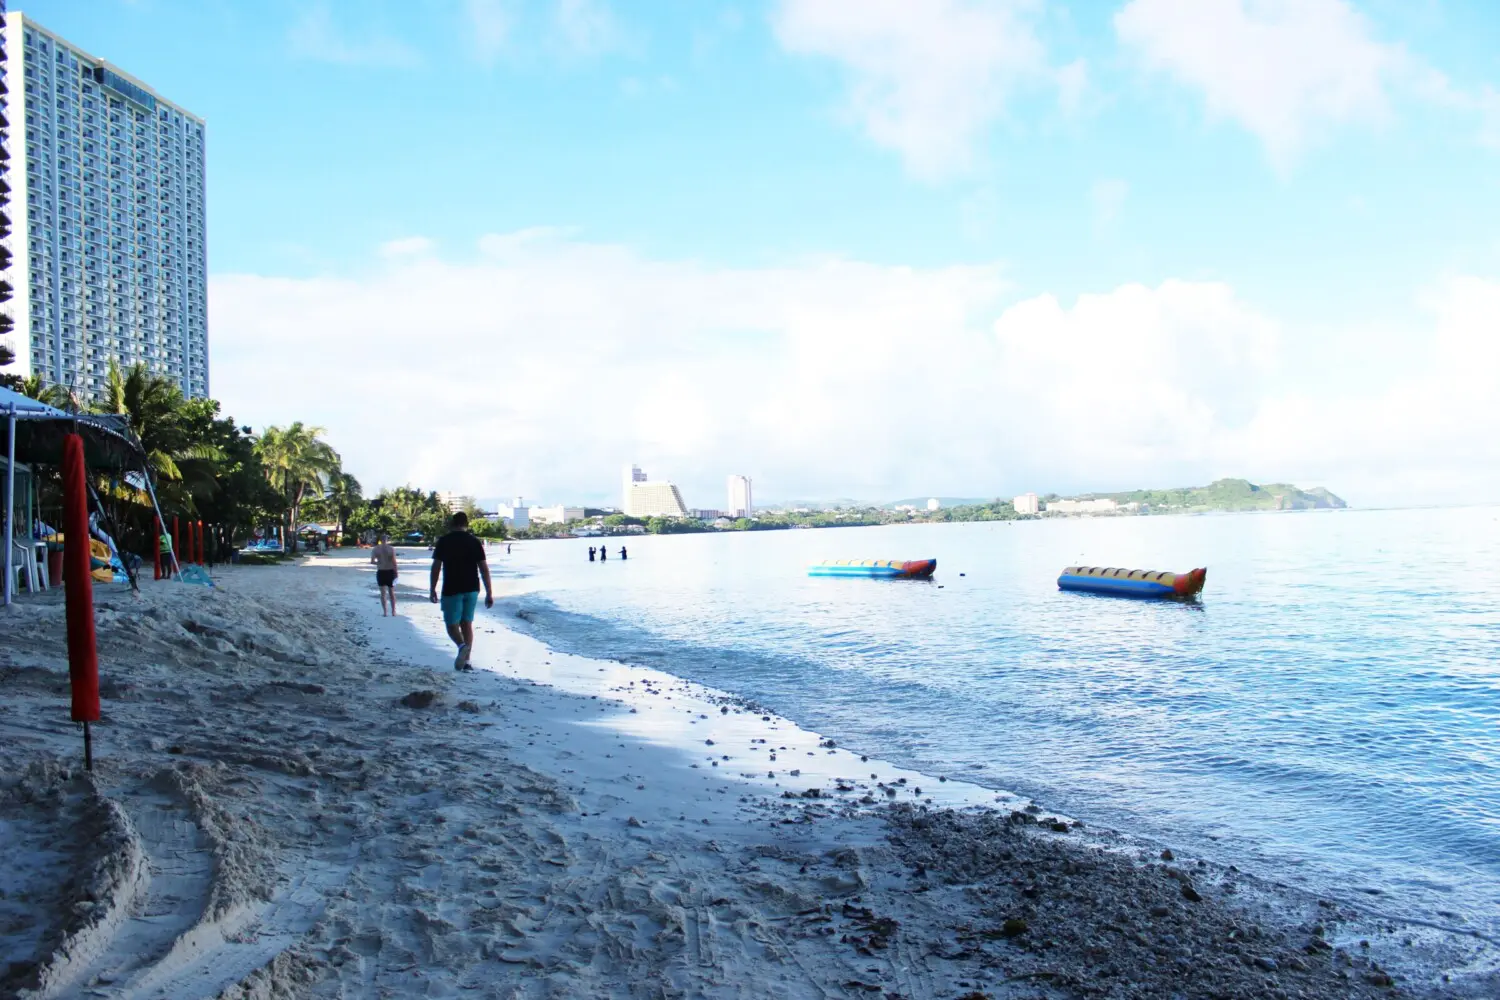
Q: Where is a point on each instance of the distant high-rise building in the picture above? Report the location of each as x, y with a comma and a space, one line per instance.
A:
455, 502
740, 504
110, 259
629, 477
647, 499
1027, 503
515, 515
559, 514
933, 503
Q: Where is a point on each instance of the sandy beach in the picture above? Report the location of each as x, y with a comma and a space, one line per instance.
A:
294, 796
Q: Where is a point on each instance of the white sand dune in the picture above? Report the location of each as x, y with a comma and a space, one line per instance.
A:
273, 813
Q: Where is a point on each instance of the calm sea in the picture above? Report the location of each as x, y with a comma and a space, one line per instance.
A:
1329, 714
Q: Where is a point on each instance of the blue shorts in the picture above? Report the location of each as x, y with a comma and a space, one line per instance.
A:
459, 607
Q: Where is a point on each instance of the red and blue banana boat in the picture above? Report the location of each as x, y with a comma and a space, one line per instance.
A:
1132, 582
885, 569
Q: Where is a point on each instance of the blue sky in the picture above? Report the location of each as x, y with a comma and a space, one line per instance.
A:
1327, 169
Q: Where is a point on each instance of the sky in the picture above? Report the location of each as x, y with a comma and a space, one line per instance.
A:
850, 248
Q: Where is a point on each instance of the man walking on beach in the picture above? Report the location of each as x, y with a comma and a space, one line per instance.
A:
459, 557
383, 555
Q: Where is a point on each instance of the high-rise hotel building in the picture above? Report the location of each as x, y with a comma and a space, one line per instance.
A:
107, 192
740, 502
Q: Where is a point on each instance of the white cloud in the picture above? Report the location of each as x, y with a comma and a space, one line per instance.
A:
316, 36
542, 363
1281, 68
1072, 86
1134, 385
566, 28
588, 27
1482, 102
1108, 196
490, 23
926, 79
406, 246
1432, 434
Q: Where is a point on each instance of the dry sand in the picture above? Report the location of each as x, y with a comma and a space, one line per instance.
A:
295, 797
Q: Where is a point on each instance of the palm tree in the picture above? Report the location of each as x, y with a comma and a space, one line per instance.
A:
153, 406
296, 459
37, 388
343, 496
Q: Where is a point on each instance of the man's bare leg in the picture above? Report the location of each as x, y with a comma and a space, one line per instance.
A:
456, 633
392, 589
382, 601
468, 628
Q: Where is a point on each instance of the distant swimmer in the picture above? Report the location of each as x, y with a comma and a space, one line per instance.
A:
591, 553
622, 552
383, 555
459, 558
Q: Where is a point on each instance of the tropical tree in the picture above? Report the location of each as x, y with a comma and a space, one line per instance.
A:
159, 415
241, 498
344, 496
38, 389
296, 460
400, 512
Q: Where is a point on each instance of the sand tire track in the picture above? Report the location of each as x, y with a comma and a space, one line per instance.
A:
116, 880
181, 865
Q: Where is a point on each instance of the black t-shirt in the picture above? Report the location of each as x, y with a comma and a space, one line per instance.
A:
460, 553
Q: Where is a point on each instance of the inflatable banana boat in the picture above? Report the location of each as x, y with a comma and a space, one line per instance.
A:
889, 569
1132, 582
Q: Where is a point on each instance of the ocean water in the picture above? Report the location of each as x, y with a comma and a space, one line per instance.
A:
1328, 715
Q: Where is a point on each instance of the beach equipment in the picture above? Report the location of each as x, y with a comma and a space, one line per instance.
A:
1132, 582
195, 575
83, 650
885, 569
33, 433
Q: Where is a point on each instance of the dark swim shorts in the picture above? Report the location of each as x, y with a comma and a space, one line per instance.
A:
385, 578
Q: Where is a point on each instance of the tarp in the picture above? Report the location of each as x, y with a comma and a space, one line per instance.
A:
26, 406
40, 430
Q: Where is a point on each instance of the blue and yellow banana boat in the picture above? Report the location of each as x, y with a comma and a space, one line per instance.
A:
886, 569
1132, 582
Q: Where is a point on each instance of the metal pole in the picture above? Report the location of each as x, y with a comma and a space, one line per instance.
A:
10, 506
88, 748
151, 491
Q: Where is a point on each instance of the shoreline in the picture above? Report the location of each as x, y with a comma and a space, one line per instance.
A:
560, 822
956, 792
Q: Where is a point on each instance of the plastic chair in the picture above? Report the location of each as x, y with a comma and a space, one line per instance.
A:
25, 566
39, 558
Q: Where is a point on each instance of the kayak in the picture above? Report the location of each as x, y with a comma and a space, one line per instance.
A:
1132, 582
886, 569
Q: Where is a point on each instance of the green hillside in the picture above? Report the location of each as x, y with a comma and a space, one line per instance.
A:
1230, 494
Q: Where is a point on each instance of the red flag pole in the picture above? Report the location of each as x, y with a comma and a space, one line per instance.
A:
176, 544
83, 651
200, 543
156, 547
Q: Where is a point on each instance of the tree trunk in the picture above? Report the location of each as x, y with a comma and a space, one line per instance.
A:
296, 511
